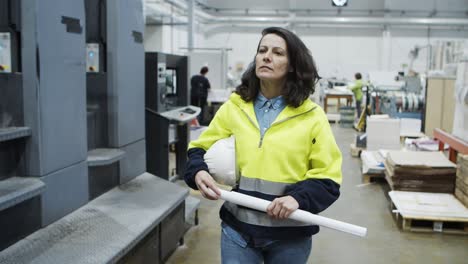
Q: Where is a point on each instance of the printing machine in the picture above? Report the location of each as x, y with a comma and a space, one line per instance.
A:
168, 113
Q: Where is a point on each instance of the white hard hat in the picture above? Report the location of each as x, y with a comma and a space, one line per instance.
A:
221, 161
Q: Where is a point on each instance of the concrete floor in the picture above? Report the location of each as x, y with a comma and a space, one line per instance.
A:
364, 205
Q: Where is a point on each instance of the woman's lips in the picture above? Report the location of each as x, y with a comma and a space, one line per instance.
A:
265, 67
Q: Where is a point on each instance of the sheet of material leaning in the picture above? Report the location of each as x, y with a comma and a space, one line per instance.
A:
298, 215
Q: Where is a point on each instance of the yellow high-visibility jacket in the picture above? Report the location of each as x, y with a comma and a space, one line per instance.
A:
357, 89
297, 156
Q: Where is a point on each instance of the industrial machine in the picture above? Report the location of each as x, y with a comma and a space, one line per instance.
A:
11, 86
70, 108
103, 165
167, 113
396, 94
96, 73
14, 135
11, 102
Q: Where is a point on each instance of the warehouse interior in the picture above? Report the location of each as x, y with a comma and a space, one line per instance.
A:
98, 111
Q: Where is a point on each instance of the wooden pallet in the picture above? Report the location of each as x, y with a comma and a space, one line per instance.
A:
432, 224
368, 178
355, 151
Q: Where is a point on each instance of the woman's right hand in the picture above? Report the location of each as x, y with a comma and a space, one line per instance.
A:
207, 185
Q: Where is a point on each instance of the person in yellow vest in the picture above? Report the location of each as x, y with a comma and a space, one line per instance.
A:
285, 152
357, 91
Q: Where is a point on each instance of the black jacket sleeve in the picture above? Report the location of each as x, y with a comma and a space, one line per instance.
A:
314, 195
195, 164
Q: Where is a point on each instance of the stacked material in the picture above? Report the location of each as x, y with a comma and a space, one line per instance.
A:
420, 171
410, 127
372, 162
346, 116
461, 185
383, 133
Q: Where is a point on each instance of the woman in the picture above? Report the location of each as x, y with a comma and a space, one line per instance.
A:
285, 151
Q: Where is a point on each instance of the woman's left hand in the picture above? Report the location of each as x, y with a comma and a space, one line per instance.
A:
282, 207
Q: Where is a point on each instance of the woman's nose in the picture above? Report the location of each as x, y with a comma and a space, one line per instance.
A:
266, 57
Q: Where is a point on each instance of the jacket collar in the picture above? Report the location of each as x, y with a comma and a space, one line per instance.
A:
288, 112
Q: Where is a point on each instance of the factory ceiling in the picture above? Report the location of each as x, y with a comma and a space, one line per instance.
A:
216, 14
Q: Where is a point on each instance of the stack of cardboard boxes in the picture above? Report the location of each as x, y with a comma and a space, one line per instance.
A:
461, 185
418, 171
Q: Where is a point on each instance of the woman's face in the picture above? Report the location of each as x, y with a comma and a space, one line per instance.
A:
271, 61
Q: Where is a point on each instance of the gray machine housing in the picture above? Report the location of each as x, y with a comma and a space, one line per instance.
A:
46, 94
164, 130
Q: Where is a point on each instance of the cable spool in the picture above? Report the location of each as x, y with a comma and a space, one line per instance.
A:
410, 103
403, 103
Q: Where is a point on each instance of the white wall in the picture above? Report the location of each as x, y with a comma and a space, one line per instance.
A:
244, 46
337, 52
168, 39
342, 52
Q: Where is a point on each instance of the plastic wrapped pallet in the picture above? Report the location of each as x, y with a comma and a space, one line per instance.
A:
460, 122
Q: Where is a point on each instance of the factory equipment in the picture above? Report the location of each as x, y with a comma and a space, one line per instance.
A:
12, 130
19, 196
47, 40
414, 54
396, 95
96, 73
11, 102
167, 113
5, 52
58, 81
103, 165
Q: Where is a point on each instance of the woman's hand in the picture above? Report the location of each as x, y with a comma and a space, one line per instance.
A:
283, 207
207, 186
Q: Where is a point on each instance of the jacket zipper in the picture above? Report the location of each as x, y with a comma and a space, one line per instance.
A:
276, 123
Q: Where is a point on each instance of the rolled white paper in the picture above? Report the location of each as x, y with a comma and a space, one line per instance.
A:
298, 215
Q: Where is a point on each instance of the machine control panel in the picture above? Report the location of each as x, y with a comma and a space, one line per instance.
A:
5, 52
162, 73
92, 57
182, 114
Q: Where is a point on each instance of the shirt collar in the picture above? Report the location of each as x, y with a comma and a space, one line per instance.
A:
275, 102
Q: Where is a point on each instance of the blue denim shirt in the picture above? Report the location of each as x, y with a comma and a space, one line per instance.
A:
267, 110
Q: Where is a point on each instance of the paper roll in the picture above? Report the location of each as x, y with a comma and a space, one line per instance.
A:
299, 215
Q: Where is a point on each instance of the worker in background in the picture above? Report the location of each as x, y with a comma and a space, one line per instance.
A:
199, 91
357, 91
285, 152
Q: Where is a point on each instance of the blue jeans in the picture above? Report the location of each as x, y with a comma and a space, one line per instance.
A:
235, 250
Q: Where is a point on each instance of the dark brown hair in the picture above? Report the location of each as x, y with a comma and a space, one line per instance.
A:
358, 76
300, 81
203, 70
